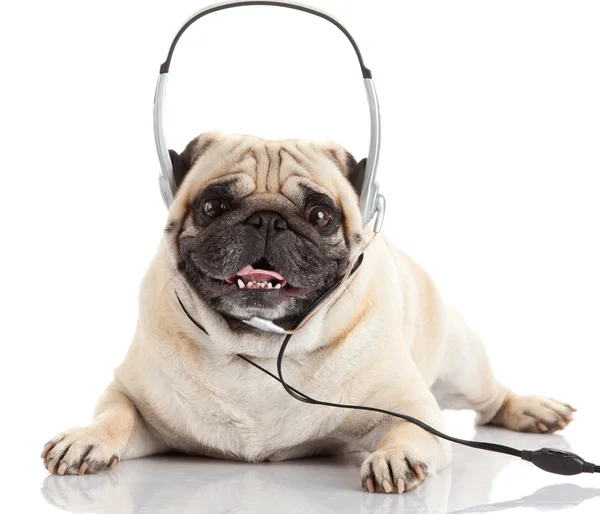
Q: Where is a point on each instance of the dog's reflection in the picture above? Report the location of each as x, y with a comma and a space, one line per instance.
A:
176, 484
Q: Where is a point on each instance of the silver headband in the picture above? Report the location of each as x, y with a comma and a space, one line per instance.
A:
371, 201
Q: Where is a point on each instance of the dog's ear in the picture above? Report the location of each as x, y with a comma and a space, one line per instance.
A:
183, 162
352, 170
356, 172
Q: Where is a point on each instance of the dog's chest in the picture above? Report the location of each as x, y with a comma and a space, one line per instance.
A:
241, 415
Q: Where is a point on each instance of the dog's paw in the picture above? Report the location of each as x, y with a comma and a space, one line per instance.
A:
392, 470
79, 451
533, 414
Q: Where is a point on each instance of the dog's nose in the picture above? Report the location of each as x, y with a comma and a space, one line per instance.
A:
267, 220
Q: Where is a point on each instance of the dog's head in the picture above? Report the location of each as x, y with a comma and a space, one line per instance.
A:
263, 228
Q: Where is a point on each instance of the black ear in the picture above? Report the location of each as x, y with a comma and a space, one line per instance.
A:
357, 175
182, 163
352, 170
179, 169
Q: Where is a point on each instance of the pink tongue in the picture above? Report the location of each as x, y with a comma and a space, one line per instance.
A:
257, 275
250, 271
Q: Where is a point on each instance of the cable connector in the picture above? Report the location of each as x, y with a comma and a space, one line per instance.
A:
558, 461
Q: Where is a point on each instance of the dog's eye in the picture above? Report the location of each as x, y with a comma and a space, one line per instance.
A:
214, 207
318, 216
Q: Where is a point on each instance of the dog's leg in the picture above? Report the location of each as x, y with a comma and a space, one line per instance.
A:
466, 381
116, 432
403, 453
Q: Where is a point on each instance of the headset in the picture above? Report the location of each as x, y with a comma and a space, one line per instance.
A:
372, 202
372, 207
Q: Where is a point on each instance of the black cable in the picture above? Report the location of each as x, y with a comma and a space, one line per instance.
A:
548, 459
473, 444
300, 396
189, 315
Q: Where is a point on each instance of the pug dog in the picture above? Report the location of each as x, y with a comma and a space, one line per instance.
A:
263, 228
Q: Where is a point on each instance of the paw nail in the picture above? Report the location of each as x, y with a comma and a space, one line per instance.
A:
542, 427
573, 409
370, 485
400, 486
113, 462
387, 487
561, 423
82, 469
62, 468
419, 473
50, 467
569, 417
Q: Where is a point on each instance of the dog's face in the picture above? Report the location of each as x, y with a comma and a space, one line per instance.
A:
262, 228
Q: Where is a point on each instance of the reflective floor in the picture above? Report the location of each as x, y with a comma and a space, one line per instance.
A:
476, 482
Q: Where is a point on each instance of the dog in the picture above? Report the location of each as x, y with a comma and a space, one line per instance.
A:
263, 228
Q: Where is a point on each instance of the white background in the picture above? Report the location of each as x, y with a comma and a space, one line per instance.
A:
490, 163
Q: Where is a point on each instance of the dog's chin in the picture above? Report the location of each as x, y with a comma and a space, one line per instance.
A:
271, 305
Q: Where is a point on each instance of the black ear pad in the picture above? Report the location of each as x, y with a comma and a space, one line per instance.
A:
178, 167
357, 177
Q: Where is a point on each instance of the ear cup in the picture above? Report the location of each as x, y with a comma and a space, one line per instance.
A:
178, 167
357, 177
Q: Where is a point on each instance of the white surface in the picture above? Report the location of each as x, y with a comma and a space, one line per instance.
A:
489, 162
476, 482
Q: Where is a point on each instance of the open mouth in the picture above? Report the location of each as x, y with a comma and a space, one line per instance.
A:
259, 275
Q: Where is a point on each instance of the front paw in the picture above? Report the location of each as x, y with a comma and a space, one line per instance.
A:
79, 451
392, 470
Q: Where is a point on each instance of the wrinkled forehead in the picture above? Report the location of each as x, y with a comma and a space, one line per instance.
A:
252, 166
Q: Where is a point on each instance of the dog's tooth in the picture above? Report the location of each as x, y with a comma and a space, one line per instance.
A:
249, 284
269, 285
277, 286
241, 284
